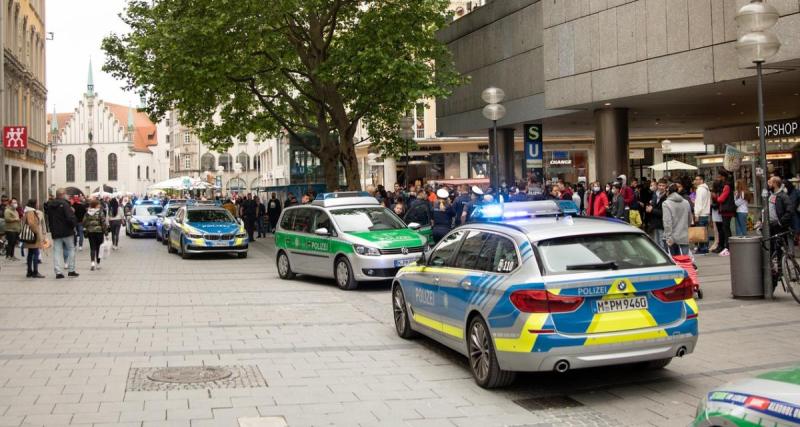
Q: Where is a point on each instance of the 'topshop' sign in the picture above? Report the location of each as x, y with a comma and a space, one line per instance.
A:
782, 129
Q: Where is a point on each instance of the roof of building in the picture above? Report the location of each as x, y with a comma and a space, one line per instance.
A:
144, 132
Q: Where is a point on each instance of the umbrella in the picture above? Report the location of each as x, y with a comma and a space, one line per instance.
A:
179, 183
72, 191
673, 165
101, 194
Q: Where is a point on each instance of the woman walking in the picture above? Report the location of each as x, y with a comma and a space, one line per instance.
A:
115, 215
742, 200
35, 221
94, 223
13, 227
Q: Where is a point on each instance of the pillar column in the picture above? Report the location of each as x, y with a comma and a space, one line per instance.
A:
463, 165
611, 143
389, 173
505, 153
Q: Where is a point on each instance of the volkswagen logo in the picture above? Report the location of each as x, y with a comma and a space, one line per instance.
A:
621, 286
404, 251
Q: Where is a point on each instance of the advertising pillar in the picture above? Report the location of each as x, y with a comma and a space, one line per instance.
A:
534, 152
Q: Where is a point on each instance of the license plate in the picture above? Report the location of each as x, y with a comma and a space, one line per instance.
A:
222, 243
404, 262
621, 304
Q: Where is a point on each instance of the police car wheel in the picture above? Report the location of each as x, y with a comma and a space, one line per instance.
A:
170, 249
284, 268
657, 364
184, 255
482, 358
401, 323
242, 254
344, 274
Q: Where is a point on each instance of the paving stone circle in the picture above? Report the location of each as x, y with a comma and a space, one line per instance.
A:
194, 378
190, 374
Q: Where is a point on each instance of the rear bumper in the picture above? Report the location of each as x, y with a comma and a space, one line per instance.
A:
599, 355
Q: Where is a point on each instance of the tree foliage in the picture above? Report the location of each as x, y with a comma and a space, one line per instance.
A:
234, 67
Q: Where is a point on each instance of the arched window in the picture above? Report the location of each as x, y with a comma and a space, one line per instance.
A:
70, 168
244, 160
237, 184
207, 163
112, 167
226, 161
257, 163
91, 165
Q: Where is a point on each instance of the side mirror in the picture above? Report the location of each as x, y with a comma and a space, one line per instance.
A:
322, 232
414, 226
425, 258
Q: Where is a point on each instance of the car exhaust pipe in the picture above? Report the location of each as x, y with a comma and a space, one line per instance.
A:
681, 352
561, 366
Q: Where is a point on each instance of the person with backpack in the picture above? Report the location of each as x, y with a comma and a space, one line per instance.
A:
35, 221
94, 224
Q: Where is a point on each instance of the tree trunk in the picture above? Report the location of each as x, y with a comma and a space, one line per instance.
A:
349, 161
329, 160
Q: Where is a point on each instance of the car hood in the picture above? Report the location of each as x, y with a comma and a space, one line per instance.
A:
215, 227
388, 239
145, 217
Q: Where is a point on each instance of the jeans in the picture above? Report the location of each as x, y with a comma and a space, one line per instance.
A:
262, 229
658, 236
677, 249
78, 235
741, 223
724, 232
63, 253
12, 238
33, 261
115, 224
702, 247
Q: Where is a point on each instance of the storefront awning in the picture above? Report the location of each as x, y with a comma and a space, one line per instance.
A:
470, 181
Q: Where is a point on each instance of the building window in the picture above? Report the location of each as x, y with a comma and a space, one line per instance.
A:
112, 167
207, 163
167, 139
187, 138
138, 172
187, 162
91, 165
257, 163
226, 160
419, 113
70, 168
244, 160
147, 173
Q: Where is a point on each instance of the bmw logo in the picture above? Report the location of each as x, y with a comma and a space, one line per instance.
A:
621, 286
404, 251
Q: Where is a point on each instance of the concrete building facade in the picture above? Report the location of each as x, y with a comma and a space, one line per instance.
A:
23, 94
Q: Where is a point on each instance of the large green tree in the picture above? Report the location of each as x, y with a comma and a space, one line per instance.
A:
233, 67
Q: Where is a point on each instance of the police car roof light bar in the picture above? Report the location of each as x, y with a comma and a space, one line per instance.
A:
341, 194
517, 210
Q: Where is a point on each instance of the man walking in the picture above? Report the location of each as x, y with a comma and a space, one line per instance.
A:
249, 211
655, 209
676, 217
62, 227
273, 212
702, 208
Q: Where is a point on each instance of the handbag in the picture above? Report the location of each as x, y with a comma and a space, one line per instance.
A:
698, 234
105, 249
26, 234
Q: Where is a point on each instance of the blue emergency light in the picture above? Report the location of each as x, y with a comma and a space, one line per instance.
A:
341, 194
516, 210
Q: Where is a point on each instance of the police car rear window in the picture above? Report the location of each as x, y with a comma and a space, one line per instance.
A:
600, 252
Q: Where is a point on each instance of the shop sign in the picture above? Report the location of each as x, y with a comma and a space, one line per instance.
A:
636, 154
430, 148
782, 128
15, 137
561, 158
534, 149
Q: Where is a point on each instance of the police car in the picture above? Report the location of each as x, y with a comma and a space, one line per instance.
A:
528, 288
770, 399
143, 220
164, 221
346, 236
206, 229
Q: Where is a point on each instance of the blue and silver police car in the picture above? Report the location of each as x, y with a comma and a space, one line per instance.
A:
143, 219
206, 229
164, 221
527, 288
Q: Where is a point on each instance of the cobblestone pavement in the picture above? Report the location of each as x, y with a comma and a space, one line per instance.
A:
67, 349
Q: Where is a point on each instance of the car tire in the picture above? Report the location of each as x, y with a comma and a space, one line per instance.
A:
343, 274
657, 364
170, 249
242, 254
184, 255
401, 321
158, 237
483, 358
284, 267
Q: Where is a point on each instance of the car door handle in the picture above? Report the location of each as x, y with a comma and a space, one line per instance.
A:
466, 284
436, 279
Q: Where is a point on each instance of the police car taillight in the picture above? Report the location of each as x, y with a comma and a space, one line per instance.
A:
542, 301
681, 291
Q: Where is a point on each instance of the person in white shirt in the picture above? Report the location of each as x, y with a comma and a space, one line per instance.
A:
742, 200
702, 208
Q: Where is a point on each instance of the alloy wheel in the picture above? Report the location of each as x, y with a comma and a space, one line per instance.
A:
399, 306
342, 274
479, 351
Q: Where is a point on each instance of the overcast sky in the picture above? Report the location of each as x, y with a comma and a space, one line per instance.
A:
79, 26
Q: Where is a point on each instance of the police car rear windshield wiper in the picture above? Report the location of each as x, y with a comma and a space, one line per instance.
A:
610, 265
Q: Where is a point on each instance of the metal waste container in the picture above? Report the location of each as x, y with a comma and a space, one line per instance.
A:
746, 278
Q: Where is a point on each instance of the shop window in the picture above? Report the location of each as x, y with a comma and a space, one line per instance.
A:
567, 166
478, 165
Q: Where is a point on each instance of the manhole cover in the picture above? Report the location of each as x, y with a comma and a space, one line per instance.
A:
190, 375
548, 402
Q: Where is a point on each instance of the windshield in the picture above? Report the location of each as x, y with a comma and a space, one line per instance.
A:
366, 219
172, 210
600, 252
147, 210
210, 216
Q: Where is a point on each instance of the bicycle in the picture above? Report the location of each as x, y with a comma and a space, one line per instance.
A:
783, 264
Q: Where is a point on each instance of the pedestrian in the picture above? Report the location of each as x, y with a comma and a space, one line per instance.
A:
62, 229
458, 204
716, 218
230, 207
597, 204
35, 221
261, 214
616, 208
442, 215
399, 207
80, 210
115, 214
656, 213
702, 208
249, 214
273, 211
727, 210
742, 200
13, 227
475, 199
627, 192
94, 222
676, 217
420, 211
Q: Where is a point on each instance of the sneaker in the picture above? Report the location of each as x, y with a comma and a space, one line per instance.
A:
92, 269
724, 252
80, 248
73, 274
59, 276
37, 276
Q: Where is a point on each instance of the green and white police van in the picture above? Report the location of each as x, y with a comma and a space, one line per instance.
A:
347, 236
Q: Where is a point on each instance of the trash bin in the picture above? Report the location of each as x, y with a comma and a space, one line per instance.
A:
746, 278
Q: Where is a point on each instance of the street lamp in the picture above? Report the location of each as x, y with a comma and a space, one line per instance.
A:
407, 134
666, 147
494, 111
757, 45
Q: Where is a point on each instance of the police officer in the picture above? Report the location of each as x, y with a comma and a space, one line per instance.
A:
476, 198
458, 204
443, 214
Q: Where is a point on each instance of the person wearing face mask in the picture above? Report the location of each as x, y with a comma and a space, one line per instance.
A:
13, 227
656, 214
597, 204
62, 222
617, 207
